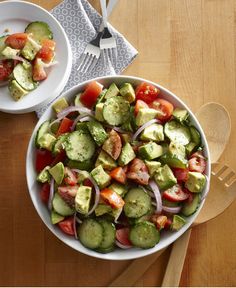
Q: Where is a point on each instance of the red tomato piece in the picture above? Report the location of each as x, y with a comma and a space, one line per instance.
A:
43, 159
138, 172
146, 92
175, 194
67, 226
168, 224
70, 177
122, 235
6, 67
17, 40
88, 183
139, 104
112, 198
68, 193
164, 107
113, 145
45, 192
46, 53
90, 94
197, 163
119, 175
39, 73
181, 174
161, 221
61, 156
65, 126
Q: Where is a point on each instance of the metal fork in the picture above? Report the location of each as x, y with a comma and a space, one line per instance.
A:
92, 52
107, 41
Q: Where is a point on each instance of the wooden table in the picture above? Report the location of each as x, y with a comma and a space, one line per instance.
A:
187, 46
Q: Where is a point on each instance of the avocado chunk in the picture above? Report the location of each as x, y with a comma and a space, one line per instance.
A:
44, 175
106, 161
195, 135
150, 151
55, 217
46, 141
30, 50
176, 156
196, 182
101, 96
98, 112
190, 208
127, 91
82, 126
112, 91
125, 137
82, 199
16, 91
97, 131
8, 52
180, 114
57, 172
84, 165
118, 188
127, 155
144, 115
178, 223
102, 209
154, 132
60, 105
164, 177
152, 166
101, 177
177, 132
190, 148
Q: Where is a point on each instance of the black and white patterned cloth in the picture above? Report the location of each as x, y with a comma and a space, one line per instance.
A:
81, 23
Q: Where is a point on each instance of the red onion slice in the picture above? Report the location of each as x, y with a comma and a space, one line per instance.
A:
157, 194
70, 109
85, 119
118, 215
207, 188
51, 194
97, 190
122, 246
140, 129
173, 210
14, 57
74, 226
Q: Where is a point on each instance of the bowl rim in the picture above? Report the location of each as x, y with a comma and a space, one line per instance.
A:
62, 83
109, 256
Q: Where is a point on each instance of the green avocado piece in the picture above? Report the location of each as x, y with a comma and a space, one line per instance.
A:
177, 223
195, 135
82, 126
152, 166
144, 115
154, 132
150, 151
57, 172
119, 189
60, 105
101, 177
102, 209
8, 52
30, 50
127, 91
196, 182
44, 175
190, 148
180, 114
106, 161
164, 177
127, 155
82, 199
46, 141
55, 217
16, 91
112, 91
176, 156
97, 131
126, 138
98, 112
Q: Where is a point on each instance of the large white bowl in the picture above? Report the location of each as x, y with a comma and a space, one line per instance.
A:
167, 237
15, 16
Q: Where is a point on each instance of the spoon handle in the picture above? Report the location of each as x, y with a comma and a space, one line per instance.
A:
176, 261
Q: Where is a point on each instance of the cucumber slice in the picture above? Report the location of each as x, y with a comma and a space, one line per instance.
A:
144, 235
195, 135
43, 129
59, 143
79, 146
85, 165
177, 132
109, 235
137, 203
90, 233
24, 77
60, 206
2, 42
116, 111
190, 208
101, 97
40, 31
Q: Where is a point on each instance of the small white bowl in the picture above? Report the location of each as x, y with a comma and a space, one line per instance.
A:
167, 237
15, 16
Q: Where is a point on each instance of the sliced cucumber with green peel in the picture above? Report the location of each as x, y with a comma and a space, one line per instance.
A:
85, 165
40, 30
23, 77
177, 132
61, 207
144, 235
109, 235
43, 129
190, 208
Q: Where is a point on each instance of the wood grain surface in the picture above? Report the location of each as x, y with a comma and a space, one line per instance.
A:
189, 47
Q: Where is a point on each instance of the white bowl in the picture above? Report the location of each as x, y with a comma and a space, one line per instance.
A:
15, 16
167, 237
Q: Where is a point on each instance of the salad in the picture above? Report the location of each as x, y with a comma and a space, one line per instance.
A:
24, 58
119, 166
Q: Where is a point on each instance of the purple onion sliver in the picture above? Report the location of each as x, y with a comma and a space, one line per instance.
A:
85, 119
51, 194
118, 215
74, 226
157, 194
122, 246
140, 129
75, 122
173, 210
70, 109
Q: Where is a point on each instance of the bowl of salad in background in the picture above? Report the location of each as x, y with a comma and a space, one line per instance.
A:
118, 167
35, 57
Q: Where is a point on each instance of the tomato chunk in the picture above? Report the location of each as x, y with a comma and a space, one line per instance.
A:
46, 53
122, 235
197, 162
43, 159
181, 174
68, 194
113, 145
17, 40
6, 68
91, 93
146, 92
139, 104
175, 194
164, 107
70, 177
45, 192
119, 175
61, 156
65, 126
112, 198
39, 73
138, 172
67, 226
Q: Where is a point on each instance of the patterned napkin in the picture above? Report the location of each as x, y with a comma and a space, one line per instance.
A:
81, 23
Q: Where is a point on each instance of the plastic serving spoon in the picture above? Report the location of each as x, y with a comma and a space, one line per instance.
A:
217, 201
136, 269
